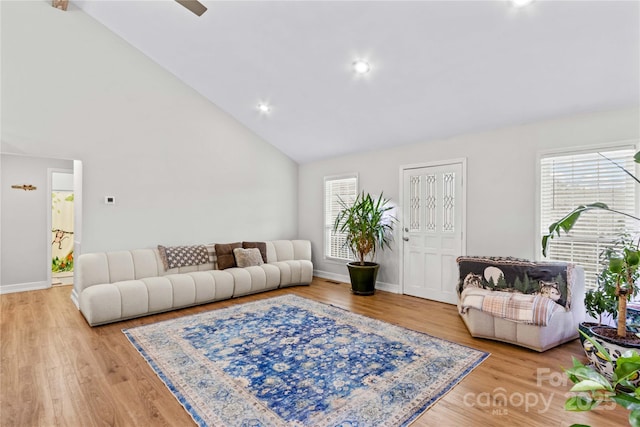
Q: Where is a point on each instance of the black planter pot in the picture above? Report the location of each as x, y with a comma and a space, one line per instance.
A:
363, 277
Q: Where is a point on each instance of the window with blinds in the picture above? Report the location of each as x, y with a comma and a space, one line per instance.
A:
336, 188
570, 180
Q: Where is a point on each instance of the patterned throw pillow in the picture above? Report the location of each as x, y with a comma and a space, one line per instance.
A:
224, 252
247, 257
182, 256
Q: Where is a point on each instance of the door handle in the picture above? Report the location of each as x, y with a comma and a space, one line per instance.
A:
406, 239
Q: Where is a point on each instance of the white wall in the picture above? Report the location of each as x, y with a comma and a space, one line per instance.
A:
501, 182
182, 170
25, 239
62, 181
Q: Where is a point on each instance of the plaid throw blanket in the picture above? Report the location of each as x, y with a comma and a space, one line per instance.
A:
530, 309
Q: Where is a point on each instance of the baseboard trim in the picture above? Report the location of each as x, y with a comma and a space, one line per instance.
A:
331, 276
74, 298
383, 286
389, 287
23, 287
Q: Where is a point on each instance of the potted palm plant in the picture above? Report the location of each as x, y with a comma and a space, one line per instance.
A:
368, 226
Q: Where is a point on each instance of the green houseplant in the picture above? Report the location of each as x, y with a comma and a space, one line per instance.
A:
604, 299
568, 221
614, 372
597, 302
368, 226
616, 286
619, 278
593, 389
622, 266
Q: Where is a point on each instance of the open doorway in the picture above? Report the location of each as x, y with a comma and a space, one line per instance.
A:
62, 226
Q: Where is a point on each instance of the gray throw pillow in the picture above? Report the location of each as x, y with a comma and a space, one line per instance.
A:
247, 257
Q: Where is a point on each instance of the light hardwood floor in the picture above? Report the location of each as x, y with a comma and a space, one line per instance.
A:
57, 371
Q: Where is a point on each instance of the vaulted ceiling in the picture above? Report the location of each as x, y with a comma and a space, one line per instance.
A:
438, 68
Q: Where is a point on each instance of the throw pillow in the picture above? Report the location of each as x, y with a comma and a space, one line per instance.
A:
262, 246
224, 252
247, 257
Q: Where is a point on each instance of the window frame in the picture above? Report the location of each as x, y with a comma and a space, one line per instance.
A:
569, 151
327, 228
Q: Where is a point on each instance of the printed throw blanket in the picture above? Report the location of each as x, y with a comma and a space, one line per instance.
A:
182, 256
506, 274
529, 309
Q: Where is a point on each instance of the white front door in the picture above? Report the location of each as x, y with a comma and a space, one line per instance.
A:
432, 230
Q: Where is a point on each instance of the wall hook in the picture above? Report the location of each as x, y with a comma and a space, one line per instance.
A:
25, 187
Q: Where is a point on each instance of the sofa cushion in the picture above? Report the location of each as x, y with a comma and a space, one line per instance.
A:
517, 275
262, 247
224, 253
247, 257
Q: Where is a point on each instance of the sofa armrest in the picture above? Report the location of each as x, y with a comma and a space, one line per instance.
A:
301, 250
92, 269
576, 280
288, 250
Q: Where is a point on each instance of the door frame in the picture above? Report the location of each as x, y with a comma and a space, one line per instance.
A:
77, 221
50, 172
463, 162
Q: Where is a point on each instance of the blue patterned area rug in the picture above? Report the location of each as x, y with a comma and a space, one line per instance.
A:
290, 361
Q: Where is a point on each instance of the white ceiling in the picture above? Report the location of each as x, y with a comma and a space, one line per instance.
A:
440, 68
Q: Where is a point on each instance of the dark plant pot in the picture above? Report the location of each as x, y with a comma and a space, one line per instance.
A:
614, 348
586, 328
363, 277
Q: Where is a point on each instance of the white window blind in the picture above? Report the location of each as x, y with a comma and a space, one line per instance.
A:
336, 188
570, 180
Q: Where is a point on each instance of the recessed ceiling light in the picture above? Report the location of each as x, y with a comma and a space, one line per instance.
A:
263, 107
361, 66
521, 3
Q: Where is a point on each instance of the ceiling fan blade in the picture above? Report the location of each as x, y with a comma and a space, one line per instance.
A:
194, 6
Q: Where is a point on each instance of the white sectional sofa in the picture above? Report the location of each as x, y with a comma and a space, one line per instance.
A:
113, 286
